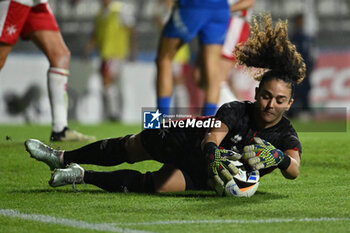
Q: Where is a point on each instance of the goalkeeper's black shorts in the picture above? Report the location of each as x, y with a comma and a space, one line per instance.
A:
182, 149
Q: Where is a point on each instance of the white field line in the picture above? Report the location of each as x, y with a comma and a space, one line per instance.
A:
237, 221
67, 222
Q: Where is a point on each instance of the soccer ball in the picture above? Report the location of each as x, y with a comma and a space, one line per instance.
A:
244, 184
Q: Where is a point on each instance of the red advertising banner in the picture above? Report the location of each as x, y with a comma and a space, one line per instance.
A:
330, 80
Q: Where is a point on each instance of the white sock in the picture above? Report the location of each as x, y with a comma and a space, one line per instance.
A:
226, 94
57, 84
111, 95
180, 96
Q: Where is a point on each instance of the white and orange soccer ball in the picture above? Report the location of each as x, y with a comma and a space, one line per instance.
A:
244, 184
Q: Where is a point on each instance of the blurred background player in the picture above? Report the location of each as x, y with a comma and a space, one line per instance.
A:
305, 46
35, 21
206, 18
114, 38
180, 95
237, 33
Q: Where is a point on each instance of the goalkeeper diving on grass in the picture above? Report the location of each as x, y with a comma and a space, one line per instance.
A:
257, 134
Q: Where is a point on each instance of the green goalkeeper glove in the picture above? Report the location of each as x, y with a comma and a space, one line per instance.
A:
263, 154
220, 169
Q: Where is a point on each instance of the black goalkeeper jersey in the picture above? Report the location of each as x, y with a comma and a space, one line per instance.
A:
182, 147
239, 118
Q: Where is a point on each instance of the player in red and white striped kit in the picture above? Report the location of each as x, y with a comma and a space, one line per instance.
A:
33, 20
237, 32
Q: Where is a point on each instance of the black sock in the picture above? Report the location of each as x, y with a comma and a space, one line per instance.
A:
121, 181
108, 152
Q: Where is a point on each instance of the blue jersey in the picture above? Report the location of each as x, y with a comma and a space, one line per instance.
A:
203, 3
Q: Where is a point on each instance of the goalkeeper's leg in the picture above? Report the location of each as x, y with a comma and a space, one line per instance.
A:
166, 179
121, 181
109, 152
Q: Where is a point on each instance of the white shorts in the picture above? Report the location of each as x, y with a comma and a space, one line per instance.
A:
111, 67
237, 32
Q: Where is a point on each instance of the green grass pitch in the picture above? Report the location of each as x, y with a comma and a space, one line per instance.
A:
317, 201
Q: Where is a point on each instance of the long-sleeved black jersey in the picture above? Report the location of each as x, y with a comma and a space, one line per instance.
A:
182, 146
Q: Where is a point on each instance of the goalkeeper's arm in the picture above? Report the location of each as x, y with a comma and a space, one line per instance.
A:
292, 171
216, 135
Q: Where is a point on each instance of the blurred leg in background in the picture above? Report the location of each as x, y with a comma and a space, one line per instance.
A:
38, 24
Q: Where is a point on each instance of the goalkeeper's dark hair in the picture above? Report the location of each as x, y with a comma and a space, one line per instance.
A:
269, 48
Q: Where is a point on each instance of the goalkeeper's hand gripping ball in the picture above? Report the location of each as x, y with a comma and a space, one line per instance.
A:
220, 169
262, 154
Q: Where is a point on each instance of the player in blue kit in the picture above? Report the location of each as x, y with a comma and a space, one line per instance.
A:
209, 20
192, 159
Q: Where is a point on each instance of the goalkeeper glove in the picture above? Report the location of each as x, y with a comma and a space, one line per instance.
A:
263, 154
220, 169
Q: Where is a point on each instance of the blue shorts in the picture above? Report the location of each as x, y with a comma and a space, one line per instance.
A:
209, 24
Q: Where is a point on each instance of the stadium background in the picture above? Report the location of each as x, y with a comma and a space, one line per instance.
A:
328, 21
